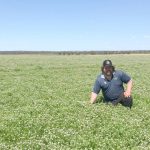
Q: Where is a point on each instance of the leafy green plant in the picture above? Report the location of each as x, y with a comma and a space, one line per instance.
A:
44, 103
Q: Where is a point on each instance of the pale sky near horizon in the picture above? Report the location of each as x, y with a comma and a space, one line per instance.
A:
74, 25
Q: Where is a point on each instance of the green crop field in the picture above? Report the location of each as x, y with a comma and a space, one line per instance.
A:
44, 104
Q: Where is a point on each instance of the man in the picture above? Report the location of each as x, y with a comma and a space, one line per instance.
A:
110, 81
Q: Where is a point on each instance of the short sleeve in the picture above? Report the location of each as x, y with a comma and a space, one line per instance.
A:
125, 77
97, 87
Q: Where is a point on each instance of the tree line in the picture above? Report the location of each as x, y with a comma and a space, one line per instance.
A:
77, 52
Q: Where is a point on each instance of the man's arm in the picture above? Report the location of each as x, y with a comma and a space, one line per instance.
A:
95, 91
93, 98
127, 93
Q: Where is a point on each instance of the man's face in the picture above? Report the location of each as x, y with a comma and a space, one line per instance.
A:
108, 70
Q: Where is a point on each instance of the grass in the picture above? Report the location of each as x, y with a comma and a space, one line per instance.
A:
44, 104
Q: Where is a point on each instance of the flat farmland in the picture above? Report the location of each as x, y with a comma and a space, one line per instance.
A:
44, 103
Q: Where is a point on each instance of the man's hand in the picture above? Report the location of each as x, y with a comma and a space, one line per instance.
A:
93, 97
127, 94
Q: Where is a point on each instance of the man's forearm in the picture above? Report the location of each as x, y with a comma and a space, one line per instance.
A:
93, 97
129, 86
127, 93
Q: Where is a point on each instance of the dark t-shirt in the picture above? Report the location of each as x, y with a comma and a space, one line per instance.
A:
111, 89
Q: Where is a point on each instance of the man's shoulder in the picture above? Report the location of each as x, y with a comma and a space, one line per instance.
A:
118, 72
100, 77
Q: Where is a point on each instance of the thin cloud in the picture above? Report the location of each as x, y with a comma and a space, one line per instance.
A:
146, 36
132, 37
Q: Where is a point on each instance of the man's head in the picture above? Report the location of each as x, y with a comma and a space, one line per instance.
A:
107, 63
107, 68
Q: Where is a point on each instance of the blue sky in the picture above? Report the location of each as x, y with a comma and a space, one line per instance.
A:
74, 25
